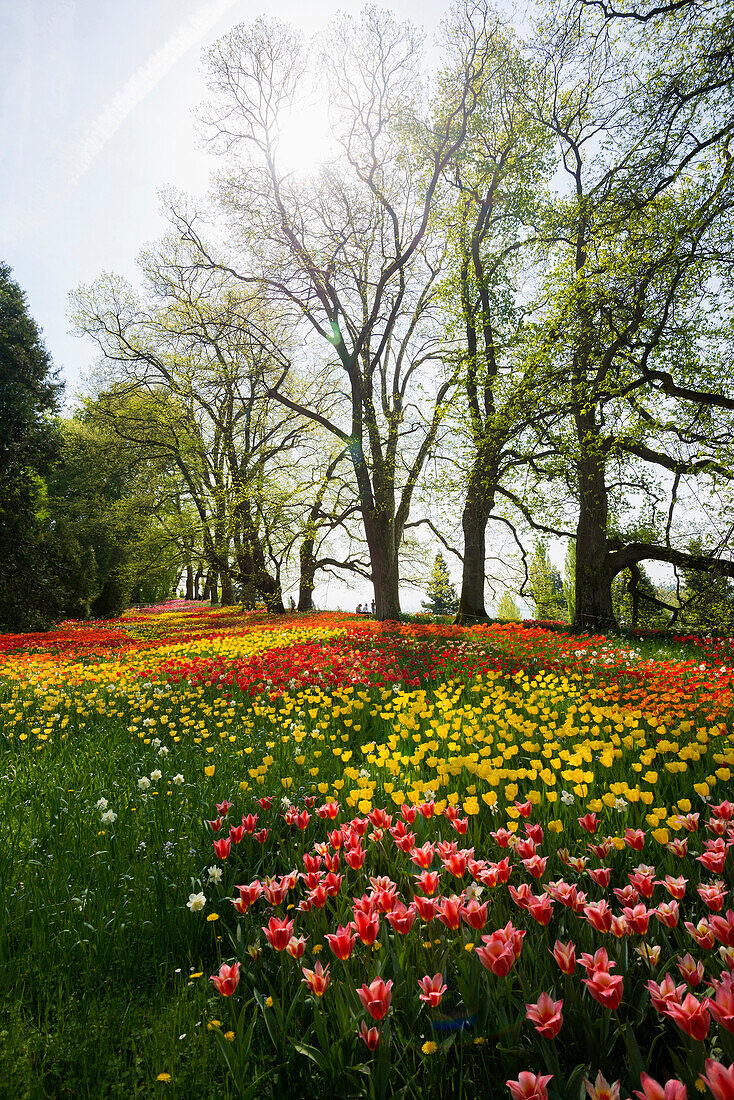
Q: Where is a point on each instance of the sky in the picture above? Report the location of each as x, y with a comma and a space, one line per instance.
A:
98, 108
98, 115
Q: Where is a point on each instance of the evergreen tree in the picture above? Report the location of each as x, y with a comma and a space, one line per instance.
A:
507, 609
41, 566
708, 598
442, 597
546, 586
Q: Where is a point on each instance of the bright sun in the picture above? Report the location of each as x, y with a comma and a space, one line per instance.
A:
305, 139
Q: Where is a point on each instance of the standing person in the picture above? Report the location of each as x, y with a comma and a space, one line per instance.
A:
373, 607
293, 604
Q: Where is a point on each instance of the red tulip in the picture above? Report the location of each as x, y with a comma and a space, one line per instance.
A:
600, 875
401, 917
702, 933
589, 823
428, 881
426, 908
691, 1016
634, 838
723, 928
227, 978
691, 970
222, 847
530, 1086
546, 1015
605, 988
540, 908
341, 942
664, 994
565, 956
371, 1036
599, 915
433, 989
366, 925
651, 1090
719, 1080
668, 913
376, 997
317, 979
474, 914
450, 912
721, 1005
278, 933
676, 887
713, 895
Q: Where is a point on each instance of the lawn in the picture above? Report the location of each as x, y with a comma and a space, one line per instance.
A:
419, 860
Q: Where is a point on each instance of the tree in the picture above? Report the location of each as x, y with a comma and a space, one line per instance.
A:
442, 597
546, 586
507, 609
707, 599
353, 260
42, 572
643, 120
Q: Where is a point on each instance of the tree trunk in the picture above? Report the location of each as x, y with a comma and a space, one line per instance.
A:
227, 591
477, 510
197, 580
594, 610
307, 575
189, 582
385, 574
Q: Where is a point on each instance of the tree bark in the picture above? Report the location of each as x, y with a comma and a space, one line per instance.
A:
477, 510
380, 532
594, 610
189, 582
227, 591
307, 576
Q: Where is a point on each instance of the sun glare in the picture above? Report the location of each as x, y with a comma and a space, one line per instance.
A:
305, 140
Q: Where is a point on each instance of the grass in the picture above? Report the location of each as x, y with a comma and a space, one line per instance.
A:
104, 969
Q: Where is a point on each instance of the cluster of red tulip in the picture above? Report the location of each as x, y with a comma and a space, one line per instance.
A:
328, 863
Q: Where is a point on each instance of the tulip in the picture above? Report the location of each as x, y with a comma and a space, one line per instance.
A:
719, 1080
721, 1005
664, 994
296, 946
341, 942
371, 1036
474, 914
278, 933
450, 912
401, 917
433, 989
723, 928
599, 915
600, 875
713, 895
376, 997
668, 913
546, 1015
366, 925
428, 881
426, 908
635, 839
540, 908
530, 1086
691, 1016
565, 956
701, 933
227, 978
605, 988
676, 887
589, 823
317, 979
222, 847
691, 970
601, 1089
651, 1090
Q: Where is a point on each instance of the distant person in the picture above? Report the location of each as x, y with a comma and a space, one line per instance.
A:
359, 608
293, 604
373, 607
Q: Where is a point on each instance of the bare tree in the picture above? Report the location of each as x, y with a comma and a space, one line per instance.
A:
352, 257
